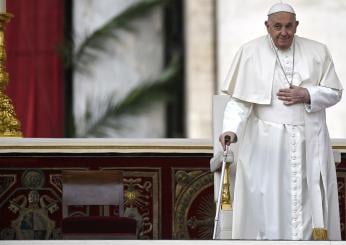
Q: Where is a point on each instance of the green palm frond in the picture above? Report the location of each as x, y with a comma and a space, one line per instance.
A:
95, 42
140, 98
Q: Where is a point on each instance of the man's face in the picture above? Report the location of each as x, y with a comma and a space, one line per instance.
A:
281, 27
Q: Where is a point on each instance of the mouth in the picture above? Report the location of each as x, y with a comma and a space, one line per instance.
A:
284, 39
283, 42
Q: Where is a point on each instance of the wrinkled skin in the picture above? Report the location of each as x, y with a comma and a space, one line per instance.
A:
281, 27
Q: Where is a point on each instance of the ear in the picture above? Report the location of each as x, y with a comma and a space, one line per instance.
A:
266, 24
295, 29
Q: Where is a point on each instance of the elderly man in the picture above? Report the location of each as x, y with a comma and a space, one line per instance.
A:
280, 85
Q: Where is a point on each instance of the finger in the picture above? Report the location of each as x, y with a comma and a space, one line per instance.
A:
285, 90
283, 94
284, 98
289, 103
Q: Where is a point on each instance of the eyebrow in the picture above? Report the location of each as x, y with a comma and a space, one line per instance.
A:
282, 24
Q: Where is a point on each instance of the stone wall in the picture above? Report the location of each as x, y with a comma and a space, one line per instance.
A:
200, 66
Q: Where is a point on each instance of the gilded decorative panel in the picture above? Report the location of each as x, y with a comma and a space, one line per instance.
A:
29, 205
341, 177
193, 205
30, 202
142, 199
6, 182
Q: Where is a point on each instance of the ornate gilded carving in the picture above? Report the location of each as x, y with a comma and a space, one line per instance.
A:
33, 178
33, 221
7, 234
194, 207
9, 124
32, 204
319, 234
142, 200
56, 181
226, 203
138, 200
200, 222
341, 178
6, 182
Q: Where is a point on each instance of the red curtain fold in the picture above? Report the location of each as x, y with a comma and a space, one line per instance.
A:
34, 65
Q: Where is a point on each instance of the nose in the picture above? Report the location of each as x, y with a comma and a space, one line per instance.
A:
283, 32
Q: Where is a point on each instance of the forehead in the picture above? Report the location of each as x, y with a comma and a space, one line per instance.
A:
282, 17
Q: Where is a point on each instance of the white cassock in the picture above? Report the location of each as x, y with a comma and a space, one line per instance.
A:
285, 181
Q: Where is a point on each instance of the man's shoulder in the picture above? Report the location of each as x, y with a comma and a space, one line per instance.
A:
254, 43
309, 43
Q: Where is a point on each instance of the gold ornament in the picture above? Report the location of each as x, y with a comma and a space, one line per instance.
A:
9, 124
226, 203
319, 234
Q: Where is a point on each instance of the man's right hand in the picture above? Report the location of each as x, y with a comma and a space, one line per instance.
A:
231, 135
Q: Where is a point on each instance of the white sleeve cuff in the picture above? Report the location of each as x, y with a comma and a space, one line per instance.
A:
322, 97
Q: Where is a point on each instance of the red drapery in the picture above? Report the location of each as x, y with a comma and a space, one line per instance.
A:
35, 68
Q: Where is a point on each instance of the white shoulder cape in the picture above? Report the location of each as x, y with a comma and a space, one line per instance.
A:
250, 77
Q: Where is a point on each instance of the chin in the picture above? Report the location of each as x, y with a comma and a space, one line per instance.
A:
284, 45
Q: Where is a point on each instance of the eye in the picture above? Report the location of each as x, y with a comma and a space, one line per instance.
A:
289, 26
277, 27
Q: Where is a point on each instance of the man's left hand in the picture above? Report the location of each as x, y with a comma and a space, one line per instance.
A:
294, 95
